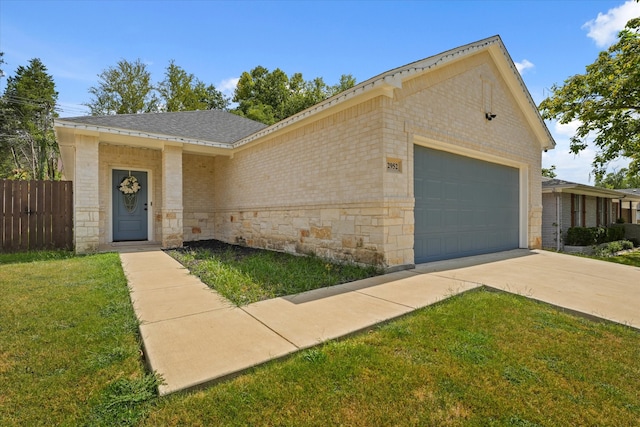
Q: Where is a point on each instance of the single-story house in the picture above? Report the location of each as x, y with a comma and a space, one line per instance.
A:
568, 204
628, 207
437, 159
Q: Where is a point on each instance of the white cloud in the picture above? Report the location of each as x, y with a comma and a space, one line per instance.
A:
605, 28
228, 86
569, 166
523, 65
566, 130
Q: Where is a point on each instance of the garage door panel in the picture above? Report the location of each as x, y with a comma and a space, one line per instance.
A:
464, 206
452, 245
433, 220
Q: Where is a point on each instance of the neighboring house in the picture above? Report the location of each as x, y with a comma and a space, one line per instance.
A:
436, 159
628, 207
568, 204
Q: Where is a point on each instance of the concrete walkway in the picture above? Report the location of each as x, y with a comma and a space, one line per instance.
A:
193, 336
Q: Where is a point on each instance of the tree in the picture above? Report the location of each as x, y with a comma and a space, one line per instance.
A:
549, 172
123, 89
605, 101
5, 152
619, 179
181, 91
28, 111
270, 96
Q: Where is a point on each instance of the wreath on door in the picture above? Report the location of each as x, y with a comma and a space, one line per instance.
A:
129, 188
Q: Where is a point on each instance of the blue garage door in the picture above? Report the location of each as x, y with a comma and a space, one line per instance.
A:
464, 206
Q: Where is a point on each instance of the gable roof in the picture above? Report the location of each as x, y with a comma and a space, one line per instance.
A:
554, 185
392, 79
225, 130
214, 126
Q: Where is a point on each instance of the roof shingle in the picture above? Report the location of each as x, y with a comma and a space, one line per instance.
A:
206, 125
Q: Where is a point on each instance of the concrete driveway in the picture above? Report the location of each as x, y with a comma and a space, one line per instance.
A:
193, 336
596, 288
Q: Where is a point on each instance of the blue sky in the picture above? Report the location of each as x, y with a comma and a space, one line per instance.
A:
218, 40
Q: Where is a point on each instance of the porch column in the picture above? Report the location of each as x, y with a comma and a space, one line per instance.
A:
86, 214
172, 231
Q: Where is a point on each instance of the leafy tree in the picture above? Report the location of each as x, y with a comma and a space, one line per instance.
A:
211, 97
270, 96
619, 179
181, 91
27, 111
549, 172
123, 89
5, 152
606, 102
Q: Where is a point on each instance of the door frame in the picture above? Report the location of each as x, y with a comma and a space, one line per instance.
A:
149, 201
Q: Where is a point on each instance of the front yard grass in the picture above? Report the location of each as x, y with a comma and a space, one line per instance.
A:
69, 350
629, 258
69, 355
244, 275
481, 358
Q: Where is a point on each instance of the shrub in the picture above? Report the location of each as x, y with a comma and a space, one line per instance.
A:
609, 249
587, 236
580, 236
615, 232
635, 241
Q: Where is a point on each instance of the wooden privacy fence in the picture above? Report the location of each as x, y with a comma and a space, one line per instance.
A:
36, 215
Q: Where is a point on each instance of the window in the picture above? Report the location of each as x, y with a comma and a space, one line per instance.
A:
602, 215
577, 210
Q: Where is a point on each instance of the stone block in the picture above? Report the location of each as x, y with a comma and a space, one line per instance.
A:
322, 233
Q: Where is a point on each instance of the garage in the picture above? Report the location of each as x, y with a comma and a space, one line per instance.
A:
463, 206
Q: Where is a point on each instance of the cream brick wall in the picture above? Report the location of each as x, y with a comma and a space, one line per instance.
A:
324, 188
172, 209
86, 189
447, 106
316, 189
198, 188
124, 157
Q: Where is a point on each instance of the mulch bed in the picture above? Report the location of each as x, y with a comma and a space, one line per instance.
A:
217, 247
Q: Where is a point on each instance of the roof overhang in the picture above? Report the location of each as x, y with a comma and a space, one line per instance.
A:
67, 130
587, 190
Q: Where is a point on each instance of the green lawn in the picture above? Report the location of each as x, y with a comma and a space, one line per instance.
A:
69, 350
631, 258
481, 358
69, 355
